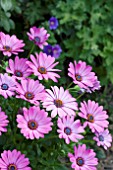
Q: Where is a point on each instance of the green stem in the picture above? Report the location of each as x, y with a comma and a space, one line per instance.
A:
69, 85
33, 46
80, 96
48, 138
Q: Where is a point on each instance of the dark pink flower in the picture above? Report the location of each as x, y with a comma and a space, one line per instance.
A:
18, 68
69, 129
83, 159
39, 36
34, 123
10, 44
95, 116
14, 160
3, 121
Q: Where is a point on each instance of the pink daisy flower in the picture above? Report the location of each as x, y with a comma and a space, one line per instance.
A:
82, 75
30, 90
103, 138
60, 102
10, 44
95, 116
14, 160
83, 159
43, 66
39, 36
69, 129
34, 123
3, 121
18, 68
7, 85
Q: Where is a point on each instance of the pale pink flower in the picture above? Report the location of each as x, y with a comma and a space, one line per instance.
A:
3, 121
103, 139
7, 85
10, 44
69, 129
18, 68
39, 36
43, 66
95, 116
60, 102
83, 159
31, 91
83, 76
34, 123
14, 160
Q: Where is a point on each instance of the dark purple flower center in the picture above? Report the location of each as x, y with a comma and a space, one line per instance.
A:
18, 73
4, 87
101, 138
80, 161
78, 77
58, 103
7, 48
12, 167
42, 70
90, 118
29, 95
67, 130
37, 39
32, 124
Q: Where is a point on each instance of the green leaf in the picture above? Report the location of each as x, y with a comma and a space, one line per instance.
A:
6, 4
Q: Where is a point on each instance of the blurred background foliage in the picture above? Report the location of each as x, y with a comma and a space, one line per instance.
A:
85, 32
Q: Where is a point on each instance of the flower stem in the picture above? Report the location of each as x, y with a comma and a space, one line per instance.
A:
31, 50
80, 96
69, 85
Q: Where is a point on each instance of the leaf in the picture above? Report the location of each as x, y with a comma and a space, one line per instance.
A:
6, 4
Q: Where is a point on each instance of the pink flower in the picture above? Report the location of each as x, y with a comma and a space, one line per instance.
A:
34, 123
39, 36
14, 160
7, 85
30, 90
60, 101
83, 159
10, 45
43, 66
83, 77
18, 68
69, 129
94, 115
103, 138
3, 121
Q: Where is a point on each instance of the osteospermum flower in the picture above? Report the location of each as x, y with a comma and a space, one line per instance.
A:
95, 116
30, 90
82, 75
7, 85
34, 123
14, 160
56, 51
53, 23
43, 67
83, 159
18, 68
48, 50
3, 121
60, 102
103, 139
39, 36
69, 129
10, 44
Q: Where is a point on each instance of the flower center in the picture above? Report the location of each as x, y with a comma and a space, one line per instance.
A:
52, 23
37, 39
55, 51
58, 103
7, 48
12, 167
42, 70
78, 77
80, 161
101, 138
90, 118
4, 87
32, 124
18, 73
67, 130
29, 95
